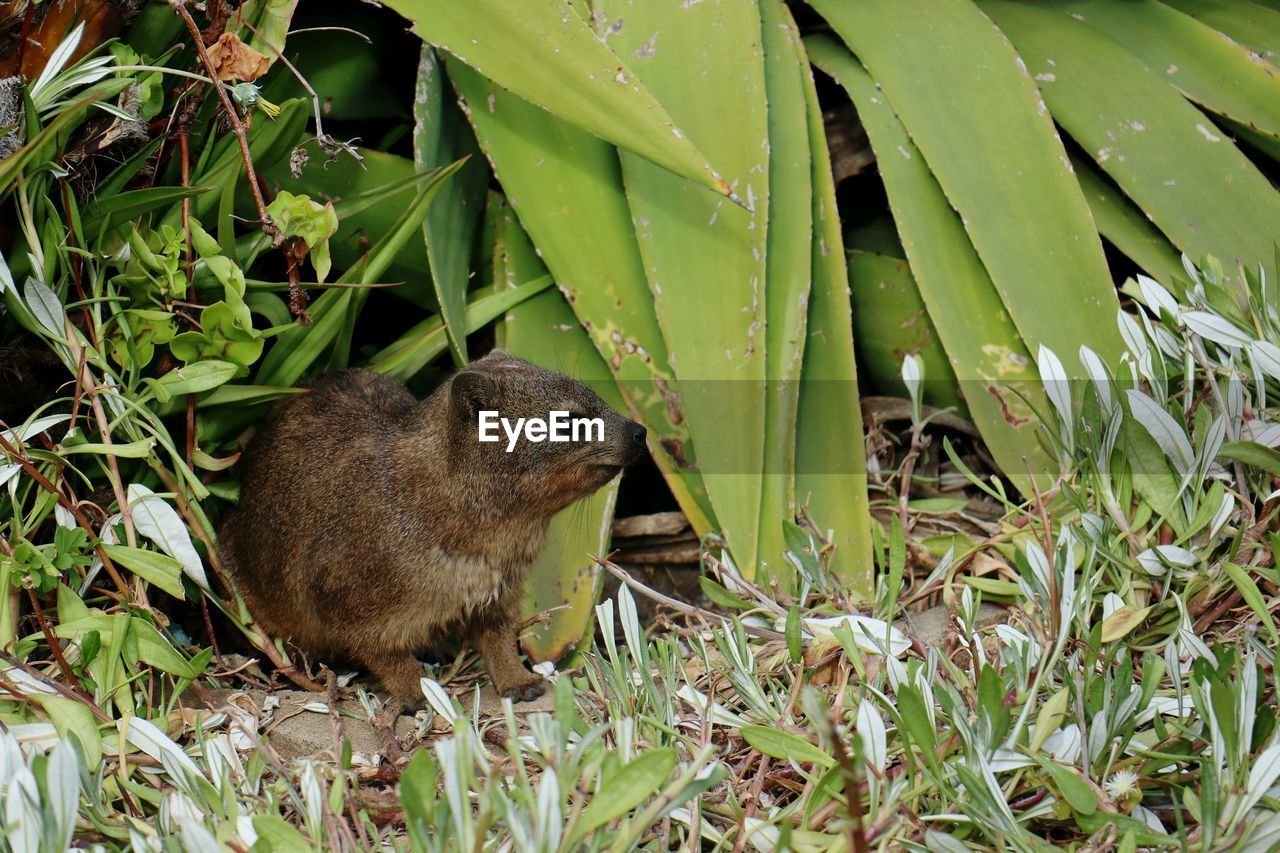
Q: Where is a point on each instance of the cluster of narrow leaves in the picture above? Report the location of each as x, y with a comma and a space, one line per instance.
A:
1125, 695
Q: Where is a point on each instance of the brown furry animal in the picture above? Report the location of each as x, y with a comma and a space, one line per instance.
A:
371, 523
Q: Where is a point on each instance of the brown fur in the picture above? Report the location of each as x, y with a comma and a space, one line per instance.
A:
371, 524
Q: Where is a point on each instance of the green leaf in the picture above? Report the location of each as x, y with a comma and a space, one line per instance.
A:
639, 779
545, 53
1183, 172
158, 569
1122, 621
990, 360
788, 271
891, 322
704, 258
418, 346
831, 478
1252, 454
155, 650
312, 222
277, 836
785, 746
1253, 597
441, 135
564, 578
196, 377
1074, 790
795, 646
1219, 74
1126, 227
566, 187
72, 717
947, 72
720, 596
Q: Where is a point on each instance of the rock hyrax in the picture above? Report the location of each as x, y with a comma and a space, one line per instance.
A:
371, 523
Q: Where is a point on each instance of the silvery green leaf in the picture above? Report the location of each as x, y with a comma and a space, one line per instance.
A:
9, 472
868, 633
22, 811
159, 522
1175, 555
942, 842
1134, 338
1110, 604
1039, 566
63, 517
1098, 376
312, 798
1156, 297
1215, 328
720, 715
244, 828
56, 62
630, 618
1266, 355
912, 375
1058, 388
6, 278
1214, 436
45, 306
1164, 429
550, 822
62, 781
439, 700
870, 728
31, 430
1064, 744
25, 683
1190, 266
196, 839
1263, 774
1151, 563
1264, 433
1222, 516
145, 736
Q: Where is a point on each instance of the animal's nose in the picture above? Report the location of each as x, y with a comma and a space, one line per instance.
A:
638, 433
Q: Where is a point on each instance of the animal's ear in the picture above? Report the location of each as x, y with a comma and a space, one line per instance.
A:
498, 354
474, 391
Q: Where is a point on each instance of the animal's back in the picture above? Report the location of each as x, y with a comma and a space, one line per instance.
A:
317, 459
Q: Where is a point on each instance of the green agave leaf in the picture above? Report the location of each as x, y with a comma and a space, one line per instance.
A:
565, 186
441, 135
831, 478
704, 258
1220, 75
1125, 226
990, 360
891, 321
788, 271
544, 52
564, 579
950, 76
1249, 23
1164, 153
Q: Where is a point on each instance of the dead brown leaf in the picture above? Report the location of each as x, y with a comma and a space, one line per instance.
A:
235, 60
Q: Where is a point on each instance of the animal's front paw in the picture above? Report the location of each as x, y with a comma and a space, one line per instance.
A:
526, 691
